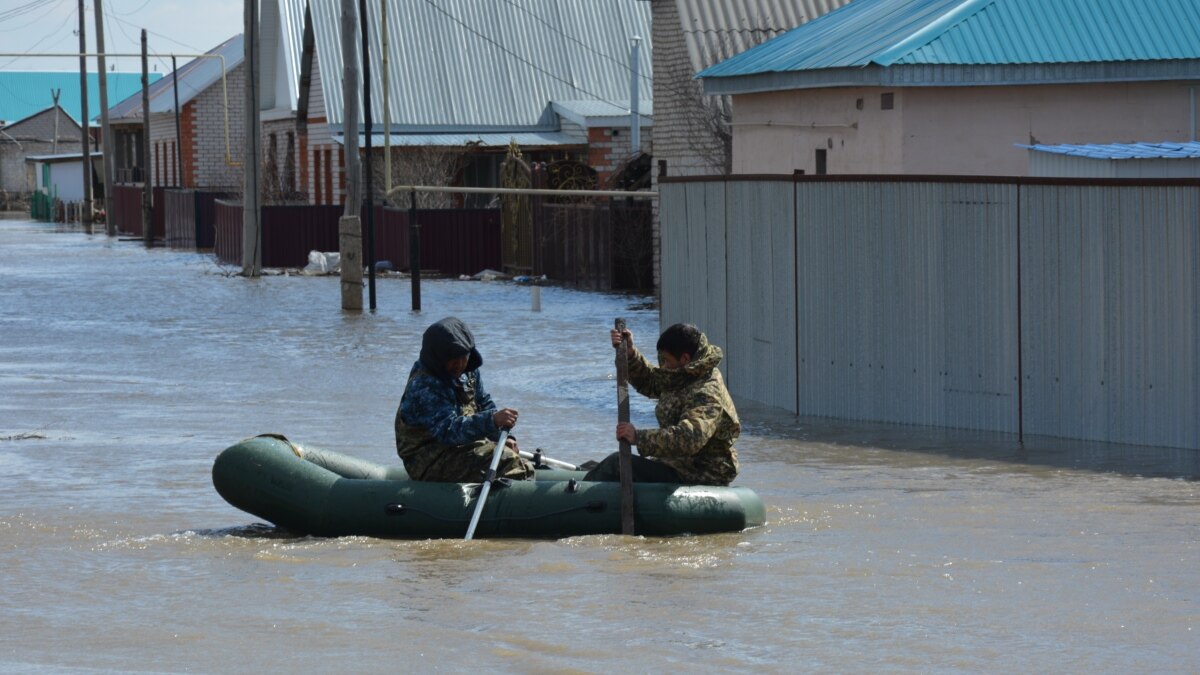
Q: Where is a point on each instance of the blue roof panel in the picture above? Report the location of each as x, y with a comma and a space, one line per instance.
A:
23, 93
1164, 150
978, 32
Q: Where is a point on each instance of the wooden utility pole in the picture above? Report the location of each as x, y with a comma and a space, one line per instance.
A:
147, 193
178, 130
350, 106
110, 226
55, 93
369, 182
350, 225
86, 149
252, 158
387, 112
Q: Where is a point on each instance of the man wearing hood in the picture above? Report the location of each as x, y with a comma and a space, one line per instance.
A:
447, 425
698, 422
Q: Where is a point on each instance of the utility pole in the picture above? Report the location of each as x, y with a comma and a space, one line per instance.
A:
147, 194
252, 158
110, 226
369, 182
387, 113
54, 93
178, 131
86, 143
350, 226
635, 118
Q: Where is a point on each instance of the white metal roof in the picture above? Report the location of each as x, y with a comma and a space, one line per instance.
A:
195, 76
525, 139
481, 65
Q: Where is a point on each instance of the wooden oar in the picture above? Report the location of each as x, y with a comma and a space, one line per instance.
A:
625, 455
487, 483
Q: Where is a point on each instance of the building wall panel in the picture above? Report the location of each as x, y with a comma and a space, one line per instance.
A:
1053, 308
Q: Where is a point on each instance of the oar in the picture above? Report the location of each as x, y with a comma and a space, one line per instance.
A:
625, 456
550, 461
487, 482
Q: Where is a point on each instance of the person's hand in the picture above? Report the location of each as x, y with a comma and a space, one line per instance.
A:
626, 432
511, 444
616, 337
505, 418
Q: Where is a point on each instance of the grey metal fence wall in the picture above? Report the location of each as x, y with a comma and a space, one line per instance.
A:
1053, 307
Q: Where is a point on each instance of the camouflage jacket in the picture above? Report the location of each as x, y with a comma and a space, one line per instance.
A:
697, 420
434, 415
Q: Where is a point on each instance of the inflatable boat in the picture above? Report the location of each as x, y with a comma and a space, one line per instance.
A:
318, 492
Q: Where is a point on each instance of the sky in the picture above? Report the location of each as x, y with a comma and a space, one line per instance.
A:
173, 26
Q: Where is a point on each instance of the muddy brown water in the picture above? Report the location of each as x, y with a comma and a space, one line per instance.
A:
123, 372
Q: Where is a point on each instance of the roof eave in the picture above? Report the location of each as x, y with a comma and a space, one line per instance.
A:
922, 75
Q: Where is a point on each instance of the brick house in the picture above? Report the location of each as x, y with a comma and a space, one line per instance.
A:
203, 151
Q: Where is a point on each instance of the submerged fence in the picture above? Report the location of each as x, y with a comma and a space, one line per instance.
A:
604, 245
1052, 307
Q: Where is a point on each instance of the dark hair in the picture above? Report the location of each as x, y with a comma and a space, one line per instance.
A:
680, 339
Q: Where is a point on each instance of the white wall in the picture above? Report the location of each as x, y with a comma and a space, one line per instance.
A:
66, 180
946, 130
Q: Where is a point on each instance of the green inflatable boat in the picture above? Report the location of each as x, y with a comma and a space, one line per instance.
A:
318, 492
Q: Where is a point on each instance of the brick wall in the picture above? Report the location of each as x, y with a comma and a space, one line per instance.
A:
609, 148
208, 164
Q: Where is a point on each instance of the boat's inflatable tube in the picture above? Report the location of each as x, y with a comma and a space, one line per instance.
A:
317, 492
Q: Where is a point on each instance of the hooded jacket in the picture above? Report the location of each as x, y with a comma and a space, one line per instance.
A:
697, 420
437, 411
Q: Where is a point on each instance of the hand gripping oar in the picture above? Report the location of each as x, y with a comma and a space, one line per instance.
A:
625, 455
486, 486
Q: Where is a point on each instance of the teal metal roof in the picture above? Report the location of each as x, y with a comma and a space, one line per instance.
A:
23, 93
978, 33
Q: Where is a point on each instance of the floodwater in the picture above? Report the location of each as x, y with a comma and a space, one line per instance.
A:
124, 371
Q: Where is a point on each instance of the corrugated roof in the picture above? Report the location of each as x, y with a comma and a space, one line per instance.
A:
978, 32
715, 30
1164, 150
471, 65
26, 93
589, 114
195, 76
526, 139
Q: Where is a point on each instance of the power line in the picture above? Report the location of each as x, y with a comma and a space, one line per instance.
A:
134, 11
57, 31
37, 20
624, 63
520, 58
165, 37
28, 7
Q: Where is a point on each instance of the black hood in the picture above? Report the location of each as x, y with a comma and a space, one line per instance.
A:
448, 339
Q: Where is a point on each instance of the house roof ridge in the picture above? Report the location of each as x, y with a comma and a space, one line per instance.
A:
931, 31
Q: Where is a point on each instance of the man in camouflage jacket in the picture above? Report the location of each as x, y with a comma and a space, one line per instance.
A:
447, 424
697, 418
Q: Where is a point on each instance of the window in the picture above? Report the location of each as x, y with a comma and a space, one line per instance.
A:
821, 161
887, 101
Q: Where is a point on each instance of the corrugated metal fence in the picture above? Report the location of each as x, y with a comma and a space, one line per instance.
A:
127, 210
189, 217
1053, 307
453, 241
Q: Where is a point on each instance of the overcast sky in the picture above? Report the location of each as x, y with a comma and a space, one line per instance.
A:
179, 26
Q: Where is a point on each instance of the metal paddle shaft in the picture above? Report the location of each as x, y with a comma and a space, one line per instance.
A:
486, 486
625, 456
